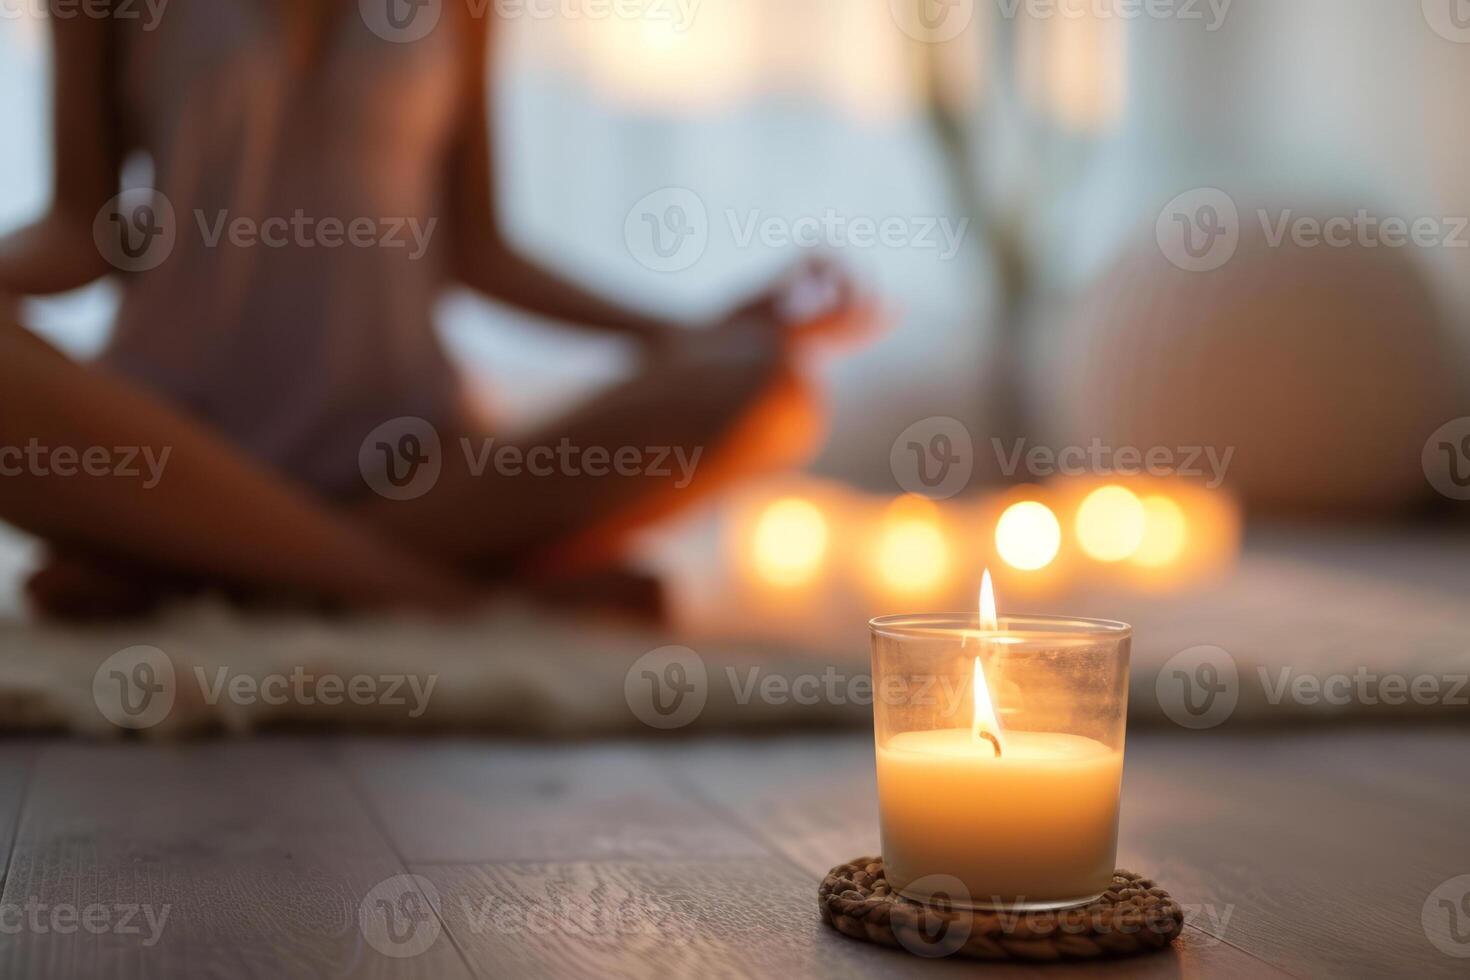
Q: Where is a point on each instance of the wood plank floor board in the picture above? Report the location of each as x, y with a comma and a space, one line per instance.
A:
228, 859
1285, 847
815, 801
745, 919
1244, 832
469, 801
715, 919
16, 762
1311, 854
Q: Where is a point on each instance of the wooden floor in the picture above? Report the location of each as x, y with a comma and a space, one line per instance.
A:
1310, 856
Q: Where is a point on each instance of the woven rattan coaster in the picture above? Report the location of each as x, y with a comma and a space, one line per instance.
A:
1134, 916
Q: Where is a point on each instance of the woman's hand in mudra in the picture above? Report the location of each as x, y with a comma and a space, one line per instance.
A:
816, 301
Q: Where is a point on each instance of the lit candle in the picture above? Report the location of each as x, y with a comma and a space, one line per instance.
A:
1021, 815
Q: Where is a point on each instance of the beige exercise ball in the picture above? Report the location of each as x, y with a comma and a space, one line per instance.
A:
1325, 368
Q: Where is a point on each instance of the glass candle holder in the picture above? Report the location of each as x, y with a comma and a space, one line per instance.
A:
1000, 757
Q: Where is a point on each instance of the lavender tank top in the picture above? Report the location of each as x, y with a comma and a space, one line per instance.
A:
294, 351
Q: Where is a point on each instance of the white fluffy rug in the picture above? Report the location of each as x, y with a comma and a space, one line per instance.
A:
1378, 630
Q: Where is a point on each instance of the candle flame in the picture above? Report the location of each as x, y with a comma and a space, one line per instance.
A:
986, 726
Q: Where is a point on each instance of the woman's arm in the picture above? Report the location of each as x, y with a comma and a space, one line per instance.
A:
57, 253
482, 258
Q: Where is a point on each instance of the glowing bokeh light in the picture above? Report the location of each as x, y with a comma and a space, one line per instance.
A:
1028, 536
790, 542
1110, 524
1165, 532
913, 555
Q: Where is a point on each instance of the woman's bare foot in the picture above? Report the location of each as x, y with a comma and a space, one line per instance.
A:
79, 588
76, 589
619, 591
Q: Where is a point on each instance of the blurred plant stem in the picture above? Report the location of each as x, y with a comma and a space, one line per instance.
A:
1004, 259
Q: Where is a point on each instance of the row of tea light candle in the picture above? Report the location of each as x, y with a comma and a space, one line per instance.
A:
1161, 534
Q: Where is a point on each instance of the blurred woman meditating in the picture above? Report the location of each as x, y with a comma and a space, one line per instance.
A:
263, 370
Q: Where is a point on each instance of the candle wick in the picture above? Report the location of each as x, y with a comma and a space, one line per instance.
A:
995, 742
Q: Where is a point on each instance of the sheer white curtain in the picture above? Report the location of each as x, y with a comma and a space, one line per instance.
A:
1313, 101
1081, 128
77, 322
767, 109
